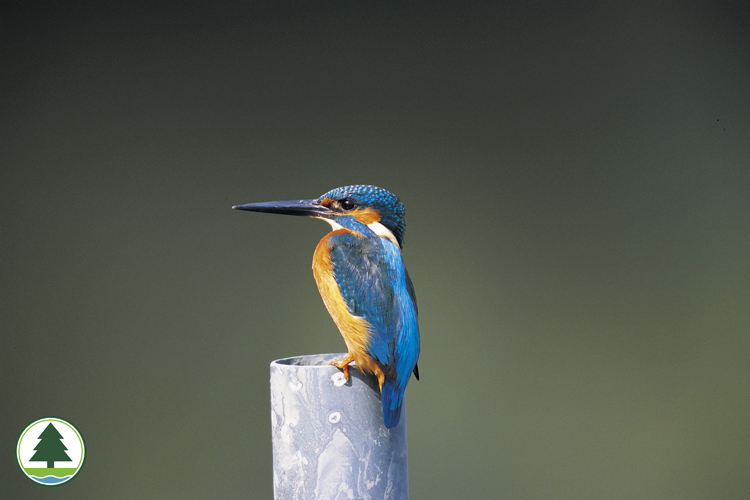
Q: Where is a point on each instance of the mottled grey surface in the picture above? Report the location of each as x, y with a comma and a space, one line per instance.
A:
329, 441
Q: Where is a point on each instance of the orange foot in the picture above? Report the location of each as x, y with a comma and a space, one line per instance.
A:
343, 365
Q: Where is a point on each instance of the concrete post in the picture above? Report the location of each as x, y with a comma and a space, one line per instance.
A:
329, 440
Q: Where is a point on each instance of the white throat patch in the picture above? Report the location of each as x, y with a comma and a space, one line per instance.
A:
335, 225
383, 231
375, 227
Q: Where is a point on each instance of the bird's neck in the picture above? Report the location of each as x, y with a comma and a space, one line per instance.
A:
371, 230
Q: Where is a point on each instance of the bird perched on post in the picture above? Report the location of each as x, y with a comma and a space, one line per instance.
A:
364, 283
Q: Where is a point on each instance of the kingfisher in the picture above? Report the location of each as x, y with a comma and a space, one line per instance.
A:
364, 284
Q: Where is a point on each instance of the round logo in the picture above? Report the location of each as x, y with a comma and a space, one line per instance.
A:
50, 451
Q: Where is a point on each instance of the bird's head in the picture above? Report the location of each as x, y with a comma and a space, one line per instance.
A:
372, 206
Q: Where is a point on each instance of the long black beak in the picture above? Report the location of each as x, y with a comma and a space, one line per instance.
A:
307, 208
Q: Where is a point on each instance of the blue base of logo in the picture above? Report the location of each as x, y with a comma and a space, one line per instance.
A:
50, 479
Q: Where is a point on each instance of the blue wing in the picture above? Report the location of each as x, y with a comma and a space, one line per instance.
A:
410, 289
375, 285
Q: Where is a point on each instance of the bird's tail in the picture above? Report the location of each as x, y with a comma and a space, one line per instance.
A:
391, 397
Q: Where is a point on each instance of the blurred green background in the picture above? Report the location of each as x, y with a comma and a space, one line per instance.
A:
577, 185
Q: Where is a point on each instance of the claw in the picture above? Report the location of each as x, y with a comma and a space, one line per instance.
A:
343, 365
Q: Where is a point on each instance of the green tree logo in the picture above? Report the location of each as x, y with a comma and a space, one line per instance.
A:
51, 448
50, 451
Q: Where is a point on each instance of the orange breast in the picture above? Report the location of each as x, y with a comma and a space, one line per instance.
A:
354, 329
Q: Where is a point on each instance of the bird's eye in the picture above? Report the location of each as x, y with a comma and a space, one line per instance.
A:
348, 204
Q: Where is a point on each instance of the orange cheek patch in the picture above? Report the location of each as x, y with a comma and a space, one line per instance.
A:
367, 215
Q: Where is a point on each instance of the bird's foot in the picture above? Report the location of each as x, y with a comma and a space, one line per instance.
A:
343, 365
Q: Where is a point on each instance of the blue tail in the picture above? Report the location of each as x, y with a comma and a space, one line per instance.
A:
391, 397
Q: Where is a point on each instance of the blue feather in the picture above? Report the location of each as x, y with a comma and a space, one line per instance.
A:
375, 285
391, 398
